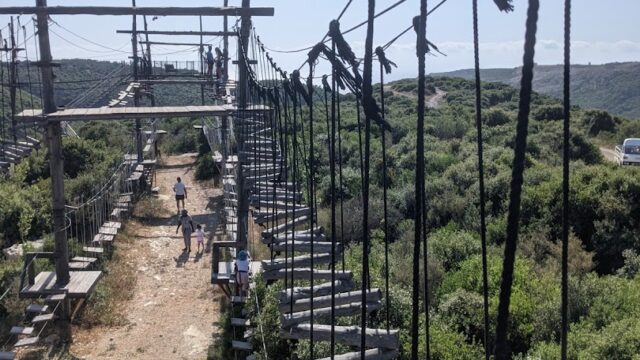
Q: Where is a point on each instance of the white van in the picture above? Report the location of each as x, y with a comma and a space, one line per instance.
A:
629, 152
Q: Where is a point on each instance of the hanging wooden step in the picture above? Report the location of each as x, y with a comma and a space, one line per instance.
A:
239, 322
321, 237
79, 265
291, 224
371, 354
238, 299
30, 341
19, 330
281, 184
37, 308
279, 205
55, 298
324, 314
99, 239
7, 355
303, 304
43, 318
251, 179
260, 199
305, 274
93, 250
269, 192
113, 224
323, 289
305, 247
107, 230
347, 335
298, 261
84, 259
262, 217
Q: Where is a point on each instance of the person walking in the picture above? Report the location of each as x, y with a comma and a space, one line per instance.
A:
200, 237
186, 223
180, 189
242, 267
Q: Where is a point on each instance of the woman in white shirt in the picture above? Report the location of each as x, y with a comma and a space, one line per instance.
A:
181, 193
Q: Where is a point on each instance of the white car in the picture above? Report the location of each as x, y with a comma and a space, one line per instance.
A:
629, 152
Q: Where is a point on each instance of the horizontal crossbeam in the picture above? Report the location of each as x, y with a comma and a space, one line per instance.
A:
128, 10
170, 43
179, 33
106, 113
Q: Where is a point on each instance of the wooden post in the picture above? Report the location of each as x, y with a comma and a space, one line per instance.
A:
225, 48
242, 96
13, 80
56, 166
201, 62
136, 77
153, 96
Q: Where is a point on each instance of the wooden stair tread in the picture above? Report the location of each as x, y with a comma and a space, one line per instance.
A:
347, 335
99, 238
55, 298
238, 299
325, 313
7, 355
113, 224
318, 290
79, 265
43, 318
93, 250
108, 230
241, 345
371, 354
30, 341
20, 330
37, 308
239, 322
305, 273
298, 261
84, 259
342, 298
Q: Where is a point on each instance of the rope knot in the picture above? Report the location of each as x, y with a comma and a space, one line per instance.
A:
299, 87
325, 84
386, 63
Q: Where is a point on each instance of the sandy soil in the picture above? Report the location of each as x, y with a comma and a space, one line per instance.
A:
608, 154
174, 311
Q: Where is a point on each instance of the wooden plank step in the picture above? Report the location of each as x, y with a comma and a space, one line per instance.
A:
37, 308
305, 247
279, 205
113, 224
305, 274
291, 224
108, 230
7, 355
19, 330
342, 298
262, 217
84, 259
281, 184
270, 198
79, 265
241, 345
295, 237
239, 322
102, 238
43, 318
347, 335
298, 261
93, 250
323, 289
371, 354
238, 299
324, 314
55, 298
251, 179
30, 341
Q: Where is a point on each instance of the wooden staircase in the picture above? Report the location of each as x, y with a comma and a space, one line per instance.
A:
291, 228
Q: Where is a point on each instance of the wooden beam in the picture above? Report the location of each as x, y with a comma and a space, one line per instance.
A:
170, 43
325, 301
181, 33
324, 314
371, 354
347, 335
318, 290
127, 10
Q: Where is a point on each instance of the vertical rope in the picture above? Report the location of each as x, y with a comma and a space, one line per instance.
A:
419, 178
332, 165
502, 350
384, 200
565, 178
312, 199
480, 152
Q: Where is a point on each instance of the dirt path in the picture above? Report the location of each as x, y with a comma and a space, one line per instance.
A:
432, 101
173, 313
608, 154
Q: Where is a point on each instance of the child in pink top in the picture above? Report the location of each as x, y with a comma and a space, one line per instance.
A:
200, 237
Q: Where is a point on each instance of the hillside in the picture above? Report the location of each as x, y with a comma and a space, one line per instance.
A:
612, 87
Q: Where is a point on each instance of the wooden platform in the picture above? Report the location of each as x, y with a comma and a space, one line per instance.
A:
80, 285
135, 112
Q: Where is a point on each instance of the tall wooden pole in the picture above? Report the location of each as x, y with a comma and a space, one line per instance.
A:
242, 96
13, 80
54, 138
136, 77
225, 45
201, 62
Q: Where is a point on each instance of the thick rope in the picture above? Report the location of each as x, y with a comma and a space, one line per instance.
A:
421, 50
502, 351
565, 179
369, 109
480, 152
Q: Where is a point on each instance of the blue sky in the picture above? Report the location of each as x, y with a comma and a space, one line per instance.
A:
603, 31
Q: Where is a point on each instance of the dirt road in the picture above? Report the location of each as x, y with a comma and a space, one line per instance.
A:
174, 312
608, 154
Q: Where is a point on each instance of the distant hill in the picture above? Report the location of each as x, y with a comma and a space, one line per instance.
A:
613, 87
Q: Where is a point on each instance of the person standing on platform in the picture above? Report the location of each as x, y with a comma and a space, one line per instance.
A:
210, 62
187, 228
180, 189
242, 267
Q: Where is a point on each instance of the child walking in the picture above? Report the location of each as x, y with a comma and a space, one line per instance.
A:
200, 237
